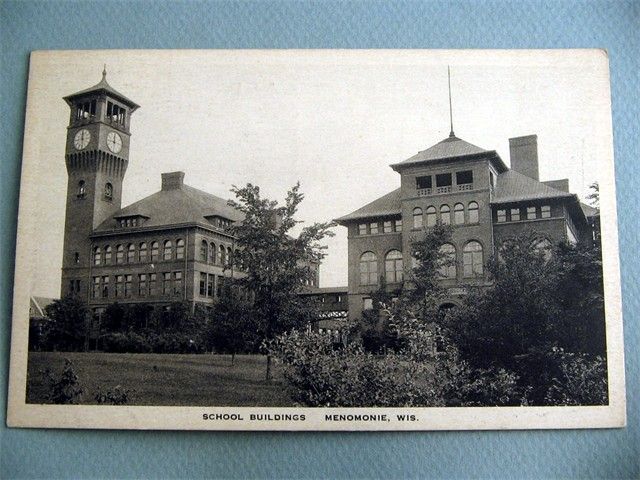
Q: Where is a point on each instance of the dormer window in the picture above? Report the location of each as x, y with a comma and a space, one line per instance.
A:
115, 113
81, 189
132, 221
86, 110
108, 191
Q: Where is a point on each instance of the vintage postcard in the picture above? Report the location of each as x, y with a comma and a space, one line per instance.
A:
317, 240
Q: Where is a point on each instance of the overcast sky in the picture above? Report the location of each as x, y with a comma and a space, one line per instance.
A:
333, 120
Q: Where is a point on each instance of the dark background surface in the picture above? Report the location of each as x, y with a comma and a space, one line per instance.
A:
615, 26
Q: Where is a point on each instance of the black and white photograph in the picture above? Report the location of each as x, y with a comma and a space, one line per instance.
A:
317, 240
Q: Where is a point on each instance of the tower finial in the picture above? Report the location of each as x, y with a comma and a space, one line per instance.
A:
451, 134
104, 72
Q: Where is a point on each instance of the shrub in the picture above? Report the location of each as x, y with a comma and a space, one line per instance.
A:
65, 389
118, 396
129, 342
582, 380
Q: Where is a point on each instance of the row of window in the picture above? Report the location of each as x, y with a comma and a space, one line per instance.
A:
444, 183
116, 113
139, 253
388, 226
431, 215
210, 285
472, 264
86, 110
82, 190
515, 214
215, 255
146, 285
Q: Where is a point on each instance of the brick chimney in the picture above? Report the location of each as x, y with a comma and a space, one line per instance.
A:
172, 180
523, 152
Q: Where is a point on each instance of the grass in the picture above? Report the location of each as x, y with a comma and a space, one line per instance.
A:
164, 379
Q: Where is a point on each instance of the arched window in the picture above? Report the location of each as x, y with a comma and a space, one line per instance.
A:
204, 251
131, 253
417, 217
458, 214
393, 266
229, 255
368, 269
107, 255
155, 247
447, 261
108, 191
81, 189
445, 214
221, 255
119, 254
542, 246
472, 259
473, 212
142, 252
212, 252
180, 249
432, 218
167, 248
97, 256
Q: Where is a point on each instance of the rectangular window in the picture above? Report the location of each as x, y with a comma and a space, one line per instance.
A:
105, 287
211, 285
128, 285
367, 303
531, 213
424, 182
119, 286
177, 283
95, 290
374, 228
443, 180
152, 284
387, 226
399, 225
464, 178
166, 283
219, 286
515, 214
142, 285
502, 216
203, 284
545, 211
362, 229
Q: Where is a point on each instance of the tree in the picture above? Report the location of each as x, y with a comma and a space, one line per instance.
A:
68, 328
275, 264
594, 195
231, 325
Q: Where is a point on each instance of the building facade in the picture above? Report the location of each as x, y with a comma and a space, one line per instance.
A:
173, 245
471, 189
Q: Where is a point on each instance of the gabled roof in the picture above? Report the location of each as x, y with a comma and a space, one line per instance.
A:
450, 147
175, 206
37, 306
589, 211
103, 86
386, 205
515, 187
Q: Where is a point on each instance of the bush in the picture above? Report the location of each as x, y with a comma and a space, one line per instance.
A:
65, 389
129, 342
116, 397
582, 380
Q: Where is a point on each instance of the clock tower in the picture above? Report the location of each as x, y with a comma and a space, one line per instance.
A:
97, 155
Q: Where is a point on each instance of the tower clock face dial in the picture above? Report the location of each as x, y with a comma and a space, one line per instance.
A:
114, 142
82, 138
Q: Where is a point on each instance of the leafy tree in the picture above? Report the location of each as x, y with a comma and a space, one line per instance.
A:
375, 328
231, 326
276, 265
68, 328
594, 195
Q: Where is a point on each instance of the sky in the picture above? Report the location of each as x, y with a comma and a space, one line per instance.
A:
333, 120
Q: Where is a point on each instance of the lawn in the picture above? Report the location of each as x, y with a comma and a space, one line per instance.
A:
163, 379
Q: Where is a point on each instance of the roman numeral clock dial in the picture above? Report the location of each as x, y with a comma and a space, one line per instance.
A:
114, 142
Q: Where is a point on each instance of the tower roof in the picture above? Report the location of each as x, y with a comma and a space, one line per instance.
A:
103, 86
386, 205
450, 147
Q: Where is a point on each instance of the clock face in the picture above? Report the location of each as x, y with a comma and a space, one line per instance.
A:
81, 140
114, 142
